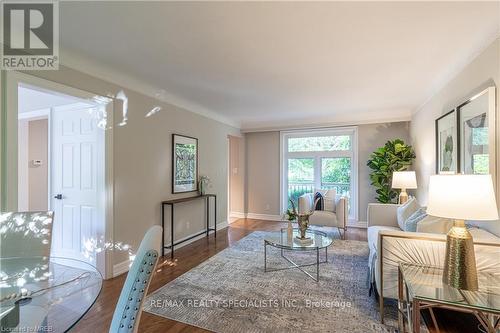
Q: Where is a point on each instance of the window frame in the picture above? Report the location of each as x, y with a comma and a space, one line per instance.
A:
317, 155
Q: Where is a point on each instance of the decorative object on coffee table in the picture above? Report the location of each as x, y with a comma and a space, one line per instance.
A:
461, 197
303, 222
404, 180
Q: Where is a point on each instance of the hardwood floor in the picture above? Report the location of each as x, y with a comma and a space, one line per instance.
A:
98, 319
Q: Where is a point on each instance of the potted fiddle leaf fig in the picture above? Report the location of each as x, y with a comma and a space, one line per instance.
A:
395, 155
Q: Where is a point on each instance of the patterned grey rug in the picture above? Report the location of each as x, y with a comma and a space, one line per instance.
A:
230, 292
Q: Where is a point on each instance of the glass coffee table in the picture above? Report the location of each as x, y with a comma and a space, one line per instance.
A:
320, 240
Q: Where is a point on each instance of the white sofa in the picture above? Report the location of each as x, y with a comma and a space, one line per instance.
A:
336, 217
389, 245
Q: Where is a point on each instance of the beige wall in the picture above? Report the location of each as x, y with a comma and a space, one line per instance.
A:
263, 173
236, 174
371, 137
142, 160
38, 132
483, 71
263, 166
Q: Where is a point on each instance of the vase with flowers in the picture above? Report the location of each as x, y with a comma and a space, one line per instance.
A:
203, 183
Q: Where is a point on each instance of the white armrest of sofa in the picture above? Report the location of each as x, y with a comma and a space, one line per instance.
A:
379, 214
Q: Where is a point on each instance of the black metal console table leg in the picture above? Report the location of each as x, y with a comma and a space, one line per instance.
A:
172, 232
162, 229
208, 215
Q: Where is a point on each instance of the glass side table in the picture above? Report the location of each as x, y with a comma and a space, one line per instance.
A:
421, 287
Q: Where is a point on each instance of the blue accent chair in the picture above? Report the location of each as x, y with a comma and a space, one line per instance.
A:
129, 308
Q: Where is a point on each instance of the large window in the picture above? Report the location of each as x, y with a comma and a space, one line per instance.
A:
322, 159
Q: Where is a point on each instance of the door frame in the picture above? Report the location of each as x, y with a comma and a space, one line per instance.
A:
8, 166
37, 115
352, 131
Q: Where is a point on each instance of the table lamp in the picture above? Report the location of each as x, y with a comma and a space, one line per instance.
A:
461, 197
404, 180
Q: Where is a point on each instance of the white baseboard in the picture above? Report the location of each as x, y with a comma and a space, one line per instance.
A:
233, 216
121, 268
267, 217
124, 266
357, 224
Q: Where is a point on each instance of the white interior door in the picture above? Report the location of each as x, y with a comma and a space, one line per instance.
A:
76, 171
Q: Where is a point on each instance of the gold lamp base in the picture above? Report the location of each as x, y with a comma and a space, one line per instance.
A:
460, 262
403, 197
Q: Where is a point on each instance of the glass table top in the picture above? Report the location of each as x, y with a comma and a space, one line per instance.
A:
281, 240
425, 283
41, 294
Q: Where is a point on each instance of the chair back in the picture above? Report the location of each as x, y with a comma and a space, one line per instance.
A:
25, 234
129, 307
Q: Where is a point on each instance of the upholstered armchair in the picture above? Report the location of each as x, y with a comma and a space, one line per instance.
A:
334, 215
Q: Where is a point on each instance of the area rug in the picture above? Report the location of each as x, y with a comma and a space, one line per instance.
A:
230, 292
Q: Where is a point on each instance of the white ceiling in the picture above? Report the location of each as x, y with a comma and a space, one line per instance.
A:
265, 65
34, 99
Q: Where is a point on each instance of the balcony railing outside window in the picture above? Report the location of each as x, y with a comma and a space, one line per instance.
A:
295, 190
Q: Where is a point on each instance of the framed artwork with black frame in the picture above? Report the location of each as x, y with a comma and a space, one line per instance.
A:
184, 164
477, 133
447, 143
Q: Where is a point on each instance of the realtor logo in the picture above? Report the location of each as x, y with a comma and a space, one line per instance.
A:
30, 35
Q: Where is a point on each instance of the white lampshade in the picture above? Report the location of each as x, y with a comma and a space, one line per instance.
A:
462, 197
404, 179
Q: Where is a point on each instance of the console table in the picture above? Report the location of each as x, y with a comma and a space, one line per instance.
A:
172, 203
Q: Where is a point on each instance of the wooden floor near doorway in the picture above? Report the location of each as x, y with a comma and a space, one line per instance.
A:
98, 319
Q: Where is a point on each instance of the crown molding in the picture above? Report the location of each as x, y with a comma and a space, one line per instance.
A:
106, 73
326, 124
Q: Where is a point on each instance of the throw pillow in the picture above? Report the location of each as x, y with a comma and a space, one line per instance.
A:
435, 225
330, 200
405, 211
320, 203
412, 222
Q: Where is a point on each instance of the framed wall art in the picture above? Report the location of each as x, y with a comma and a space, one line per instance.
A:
477, 133
184, 164
447, 143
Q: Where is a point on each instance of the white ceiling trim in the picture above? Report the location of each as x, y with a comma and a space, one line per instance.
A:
100, 71
326, 125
